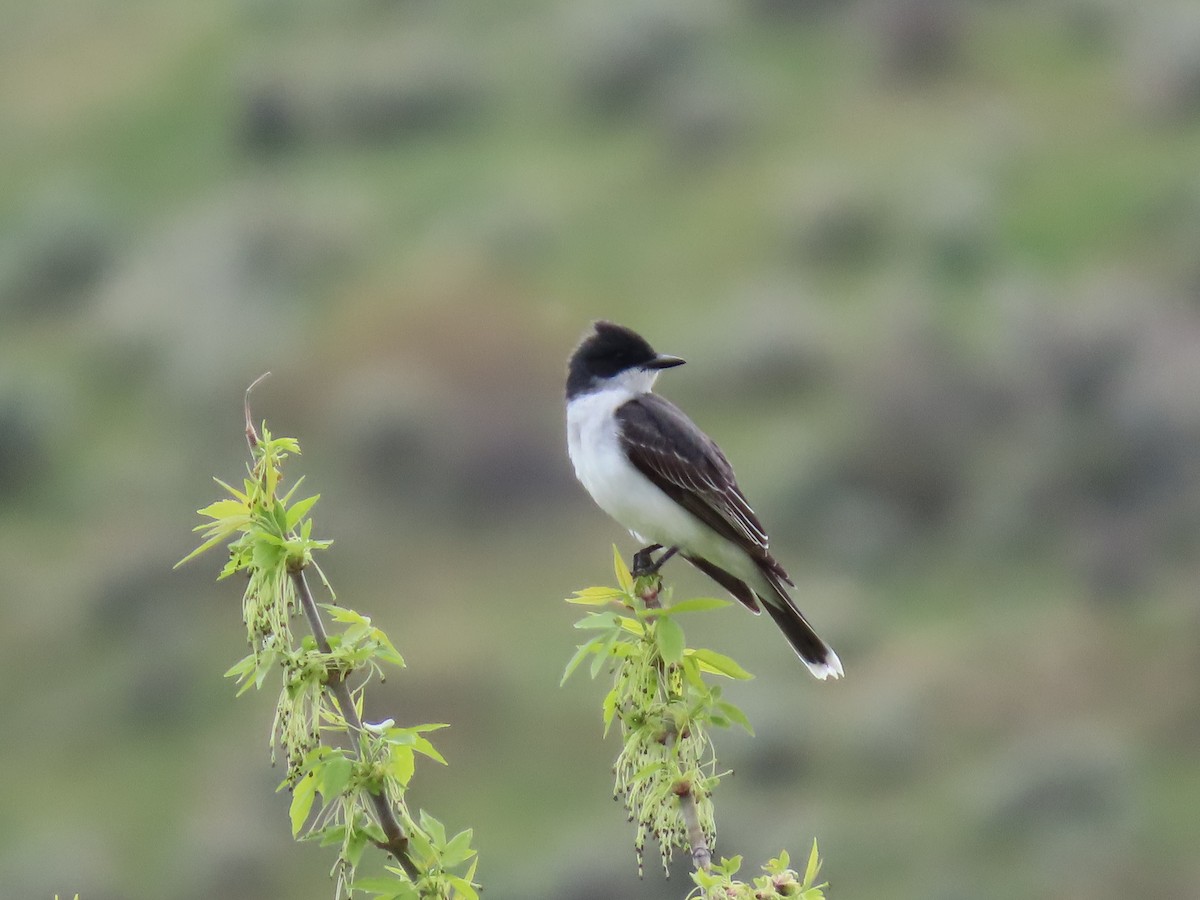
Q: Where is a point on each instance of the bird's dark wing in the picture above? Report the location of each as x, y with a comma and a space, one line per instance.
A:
690, 468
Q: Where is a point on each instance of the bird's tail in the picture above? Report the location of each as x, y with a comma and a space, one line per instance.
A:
813, 652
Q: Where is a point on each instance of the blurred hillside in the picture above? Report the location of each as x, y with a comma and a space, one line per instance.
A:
934, 267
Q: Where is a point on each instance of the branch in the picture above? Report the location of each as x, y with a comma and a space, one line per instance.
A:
358, 790
701, 855
397, 841
665, 705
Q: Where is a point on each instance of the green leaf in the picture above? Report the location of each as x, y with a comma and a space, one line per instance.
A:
458, 849
597, 621
581, 651
383, 887
695, 604
736, 715
647, 770
719, 664
380, 884
334, 776
609, 708
706, 880
243, 496
402, 764
422, 745
670, 640
731, 865
596, 596
242, 667
779, 864
355, 846
422, 850
463, 887
624, 576
386, 653
226, 509
813, 867
344, 614
691, 671
259, 669
435, 829
604, 653
299, 510
334, 834
302, 800
633, 626
287, 498
207, 545
266, 555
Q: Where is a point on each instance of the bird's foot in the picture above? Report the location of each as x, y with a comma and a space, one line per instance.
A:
644, 562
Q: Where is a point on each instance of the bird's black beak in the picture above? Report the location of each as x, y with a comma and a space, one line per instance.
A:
663, 361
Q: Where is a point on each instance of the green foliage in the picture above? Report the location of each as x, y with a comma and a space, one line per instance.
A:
779, 880
339, 768
665, 705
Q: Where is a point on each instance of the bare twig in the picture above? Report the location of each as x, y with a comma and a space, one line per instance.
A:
701, 855
251, 432
397, 841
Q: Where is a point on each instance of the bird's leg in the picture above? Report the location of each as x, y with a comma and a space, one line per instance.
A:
644, 564
643, 561
671, 551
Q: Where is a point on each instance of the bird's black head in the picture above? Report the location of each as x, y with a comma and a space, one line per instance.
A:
608, 351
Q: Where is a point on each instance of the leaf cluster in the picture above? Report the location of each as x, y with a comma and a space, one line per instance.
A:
778, 880
663, 702
270, 536
338, 767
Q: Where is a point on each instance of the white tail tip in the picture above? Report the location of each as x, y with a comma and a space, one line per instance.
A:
830, 668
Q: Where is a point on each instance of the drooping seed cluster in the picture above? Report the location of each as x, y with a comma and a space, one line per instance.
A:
300, 708
666, 753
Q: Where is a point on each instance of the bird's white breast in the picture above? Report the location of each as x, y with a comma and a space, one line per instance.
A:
625, 493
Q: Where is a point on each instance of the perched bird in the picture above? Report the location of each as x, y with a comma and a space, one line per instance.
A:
648, 466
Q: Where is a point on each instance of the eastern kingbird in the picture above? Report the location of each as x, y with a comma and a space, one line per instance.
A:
648, 466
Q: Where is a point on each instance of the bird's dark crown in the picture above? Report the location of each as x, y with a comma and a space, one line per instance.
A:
607, 351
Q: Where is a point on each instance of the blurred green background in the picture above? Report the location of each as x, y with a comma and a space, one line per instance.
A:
936, 269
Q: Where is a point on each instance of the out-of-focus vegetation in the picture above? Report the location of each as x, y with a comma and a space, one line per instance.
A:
934, 265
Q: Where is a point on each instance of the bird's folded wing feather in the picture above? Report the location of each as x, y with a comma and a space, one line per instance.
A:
690, 468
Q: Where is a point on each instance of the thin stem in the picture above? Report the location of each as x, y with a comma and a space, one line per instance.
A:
649, 590
397, 841
701, 855
251, 431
